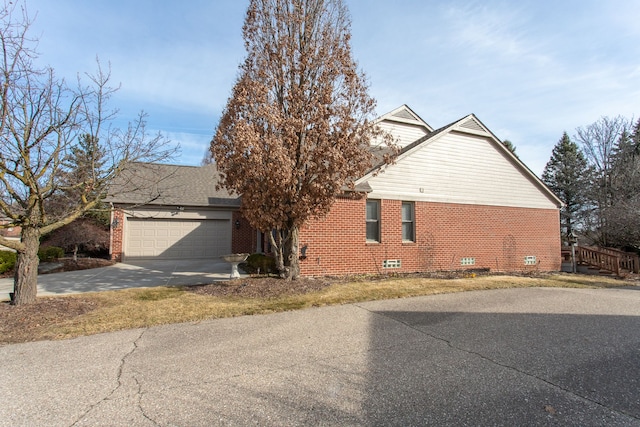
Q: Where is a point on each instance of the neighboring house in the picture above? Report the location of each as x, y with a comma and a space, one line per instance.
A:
9, 232
172, 212
455, 198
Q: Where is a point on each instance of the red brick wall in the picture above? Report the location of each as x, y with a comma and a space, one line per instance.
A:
117, 217
243, 239
497, 237
10, 232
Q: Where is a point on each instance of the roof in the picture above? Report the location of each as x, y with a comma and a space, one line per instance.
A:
161, 184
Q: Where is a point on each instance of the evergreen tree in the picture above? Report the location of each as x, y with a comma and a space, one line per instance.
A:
82, 168
510, 146
567, 174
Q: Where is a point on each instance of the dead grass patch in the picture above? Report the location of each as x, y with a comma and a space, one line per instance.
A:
91, 313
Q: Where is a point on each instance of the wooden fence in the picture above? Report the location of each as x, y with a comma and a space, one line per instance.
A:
608, 259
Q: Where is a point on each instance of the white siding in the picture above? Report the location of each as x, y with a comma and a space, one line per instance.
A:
403, 133
459, 168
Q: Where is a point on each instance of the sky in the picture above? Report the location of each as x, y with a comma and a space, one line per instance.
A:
528, 69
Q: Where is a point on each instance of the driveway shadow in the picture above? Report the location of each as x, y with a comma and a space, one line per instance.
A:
505, 369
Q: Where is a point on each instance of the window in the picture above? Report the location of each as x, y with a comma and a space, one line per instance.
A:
530, 260
408, 223
373, 220
468, 261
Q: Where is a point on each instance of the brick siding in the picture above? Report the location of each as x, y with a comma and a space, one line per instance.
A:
244, 239
116, 249
499, 238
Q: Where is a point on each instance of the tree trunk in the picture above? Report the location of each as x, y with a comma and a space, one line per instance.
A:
285, 246
292, 262
25, 281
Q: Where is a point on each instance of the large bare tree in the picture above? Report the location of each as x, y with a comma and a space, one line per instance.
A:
297, 127
42, 122
599, 141
623, 217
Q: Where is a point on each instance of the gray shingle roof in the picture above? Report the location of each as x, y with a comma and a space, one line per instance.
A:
159, 184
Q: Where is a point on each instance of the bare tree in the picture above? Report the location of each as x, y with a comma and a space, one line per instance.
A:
297, 127
598, 142
623, 219
42, 120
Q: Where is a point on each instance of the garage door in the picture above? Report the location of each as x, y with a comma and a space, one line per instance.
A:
177, 239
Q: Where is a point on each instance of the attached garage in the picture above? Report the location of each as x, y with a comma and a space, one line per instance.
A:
175, 212
177, 239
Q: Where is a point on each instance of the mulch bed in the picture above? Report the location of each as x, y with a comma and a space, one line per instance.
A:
262, 287
17, 323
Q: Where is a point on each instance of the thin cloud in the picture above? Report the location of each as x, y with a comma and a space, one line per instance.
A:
530, 70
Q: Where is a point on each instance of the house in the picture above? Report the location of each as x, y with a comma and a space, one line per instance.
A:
455, 198
172, 212
9, 232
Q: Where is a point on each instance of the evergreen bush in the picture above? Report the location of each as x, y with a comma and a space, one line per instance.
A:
7, 261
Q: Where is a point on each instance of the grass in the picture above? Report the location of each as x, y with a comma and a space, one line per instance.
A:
145, 307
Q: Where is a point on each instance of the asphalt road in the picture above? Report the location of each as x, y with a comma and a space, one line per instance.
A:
506, 357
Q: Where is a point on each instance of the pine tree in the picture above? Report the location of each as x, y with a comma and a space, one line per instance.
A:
568, 175
510, 146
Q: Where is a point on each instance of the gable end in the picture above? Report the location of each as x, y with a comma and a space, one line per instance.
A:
404, 114
471, 124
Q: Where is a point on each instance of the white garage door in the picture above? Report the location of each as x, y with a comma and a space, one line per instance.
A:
177, 239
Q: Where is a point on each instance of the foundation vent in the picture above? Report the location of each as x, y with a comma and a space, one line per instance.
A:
391, 263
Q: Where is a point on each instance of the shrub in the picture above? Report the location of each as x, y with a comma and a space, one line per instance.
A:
50, 253
260, 263
83, 235
7, 261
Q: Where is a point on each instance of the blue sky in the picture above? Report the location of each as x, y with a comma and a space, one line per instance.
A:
528, 69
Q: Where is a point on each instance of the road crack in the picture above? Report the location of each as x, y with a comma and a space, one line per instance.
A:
120, 383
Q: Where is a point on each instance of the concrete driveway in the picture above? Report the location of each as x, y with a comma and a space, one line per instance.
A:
137, 274
566, 357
